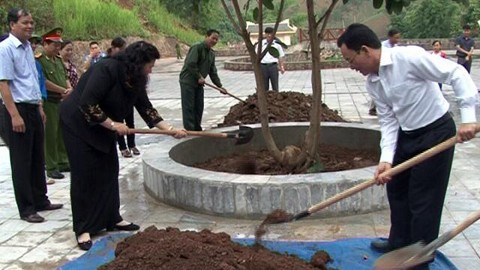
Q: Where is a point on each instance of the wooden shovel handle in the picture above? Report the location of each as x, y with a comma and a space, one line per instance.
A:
391, 172
444, 238
172, 132
216, 88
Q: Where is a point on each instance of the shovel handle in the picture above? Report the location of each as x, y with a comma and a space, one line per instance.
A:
444, 238
172, 132
391, 172
217, 88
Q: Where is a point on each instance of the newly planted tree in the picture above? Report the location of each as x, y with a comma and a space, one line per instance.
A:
296, 158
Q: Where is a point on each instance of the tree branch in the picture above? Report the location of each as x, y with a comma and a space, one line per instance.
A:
230, 17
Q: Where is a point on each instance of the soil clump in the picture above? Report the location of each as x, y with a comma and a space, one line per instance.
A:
174, 249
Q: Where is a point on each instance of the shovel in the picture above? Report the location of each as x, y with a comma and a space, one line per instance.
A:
221, 91
419, 253
277, 217
242, 136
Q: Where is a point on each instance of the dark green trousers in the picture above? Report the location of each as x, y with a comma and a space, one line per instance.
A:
192, 106
55, 153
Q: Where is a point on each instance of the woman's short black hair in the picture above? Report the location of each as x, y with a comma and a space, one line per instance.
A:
135, 57
65, 43
357, 35
435, 41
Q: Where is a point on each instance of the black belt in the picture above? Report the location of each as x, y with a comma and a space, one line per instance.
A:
269, 64
447, 116
27, 105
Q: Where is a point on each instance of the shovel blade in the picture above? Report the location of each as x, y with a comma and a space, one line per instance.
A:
244, 135
403, 258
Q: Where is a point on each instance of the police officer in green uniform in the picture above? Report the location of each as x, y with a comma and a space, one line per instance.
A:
199, 63
58, 87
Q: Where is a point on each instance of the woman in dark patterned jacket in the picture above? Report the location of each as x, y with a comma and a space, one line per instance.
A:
91, 118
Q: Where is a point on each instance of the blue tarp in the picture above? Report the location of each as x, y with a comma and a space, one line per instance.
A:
348, 254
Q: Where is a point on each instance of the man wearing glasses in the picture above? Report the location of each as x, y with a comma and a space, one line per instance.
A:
414, 116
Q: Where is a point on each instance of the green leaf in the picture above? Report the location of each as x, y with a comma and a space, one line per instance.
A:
255, 14
345, 1
274, 52
268, 4
316, 168
377, 3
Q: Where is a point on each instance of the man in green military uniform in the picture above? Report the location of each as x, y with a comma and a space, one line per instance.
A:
58, 87
199, 63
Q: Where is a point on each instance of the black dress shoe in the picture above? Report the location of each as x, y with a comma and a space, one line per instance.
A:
49, 207
129, 227
85, 245
55, 175
381, 246
33, 218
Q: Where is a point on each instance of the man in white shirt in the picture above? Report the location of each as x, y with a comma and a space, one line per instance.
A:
413, 117
270, 64
393, 38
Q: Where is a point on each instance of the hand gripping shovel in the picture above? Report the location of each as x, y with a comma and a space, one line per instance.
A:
419, 253
279, 216
242, 136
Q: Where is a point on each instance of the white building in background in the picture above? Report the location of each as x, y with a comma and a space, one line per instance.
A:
285, 31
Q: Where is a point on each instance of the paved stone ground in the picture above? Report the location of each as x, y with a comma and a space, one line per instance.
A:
50, 244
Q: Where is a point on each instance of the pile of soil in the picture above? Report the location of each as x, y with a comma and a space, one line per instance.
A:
173, 249
282, 107
332, 158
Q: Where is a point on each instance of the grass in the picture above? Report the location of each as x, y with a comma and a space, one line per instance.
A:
103, 19
165, 22
94, 19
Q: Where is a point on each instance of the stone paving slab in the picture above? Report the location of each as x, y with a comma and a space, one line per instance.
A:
50, 244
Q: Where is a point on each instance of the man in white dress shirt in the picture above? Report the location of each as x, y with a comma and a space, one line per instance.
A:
393, 38
271, 64
413, 117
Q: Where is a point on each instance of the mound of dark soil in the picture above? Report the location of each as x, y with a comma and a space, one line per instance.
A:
173, 249
282, 107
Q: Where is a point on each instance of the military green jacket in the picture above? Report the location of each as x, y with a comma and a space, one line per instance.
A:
200, 61
54, 71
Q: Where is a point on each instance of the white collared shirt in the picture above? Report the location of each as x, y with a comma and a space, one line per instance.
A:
268, 58
406, 92
386, 43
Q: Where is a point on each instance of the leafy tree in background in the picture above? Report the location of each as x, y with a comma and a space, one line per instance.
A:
471, 17
431, 19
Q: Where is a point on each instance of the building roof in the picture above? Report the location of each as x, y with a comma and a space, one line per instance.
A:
283, 27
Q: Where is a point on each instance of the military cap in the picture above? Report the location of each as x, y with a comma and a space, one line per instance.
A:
54, 35
35, 38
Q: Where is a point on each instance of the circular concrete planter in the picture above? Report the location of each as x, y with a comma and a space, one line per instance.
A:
169, 178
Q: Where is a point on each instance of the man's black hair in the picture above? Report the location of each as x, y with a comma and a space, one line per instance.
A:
357, 35
268, 30
392, 32
211, 31
466, 27
14, 15
92, 43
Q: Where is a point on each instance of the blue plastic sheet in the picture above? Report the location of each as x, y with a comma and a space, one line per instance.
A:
348, 254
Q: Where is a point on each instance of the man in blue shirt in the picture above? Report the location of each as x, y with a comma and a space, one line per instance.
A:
24, 120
